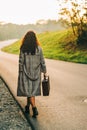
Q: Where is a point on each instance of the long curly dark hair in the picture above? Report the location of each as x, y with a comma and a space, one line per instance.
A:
29, 43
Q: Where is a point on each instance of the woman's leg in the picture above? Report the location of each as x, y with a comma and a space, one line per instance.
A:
27, 106
32, 101
28, 101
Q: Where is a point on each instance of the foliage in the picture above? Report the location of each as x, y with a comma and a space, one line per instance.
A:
76, 15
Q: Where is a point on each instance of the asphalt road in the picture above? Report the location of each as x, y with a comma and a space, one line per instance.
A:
65, 108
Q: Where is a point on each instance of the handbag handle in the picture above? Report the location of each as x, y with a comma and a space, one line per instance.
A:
46, 77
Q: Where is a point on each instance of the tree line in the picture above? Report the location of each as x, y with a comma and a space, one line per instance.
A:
12, 31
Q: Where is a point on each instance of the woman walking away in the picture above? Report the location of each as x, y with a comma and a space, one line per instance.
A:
31, 64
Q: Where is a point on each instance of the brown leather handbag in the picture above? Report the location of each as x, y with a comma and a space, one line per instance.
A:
46, 86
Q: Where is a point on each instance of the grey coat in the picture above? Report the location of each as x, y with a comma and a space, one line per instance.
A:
29, 77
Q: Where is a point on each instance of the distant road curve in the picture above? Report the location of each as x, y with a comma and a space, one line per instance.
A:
7, 42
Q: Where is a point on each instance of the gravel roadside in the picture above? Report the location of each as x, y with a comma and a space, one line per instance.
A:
11, 117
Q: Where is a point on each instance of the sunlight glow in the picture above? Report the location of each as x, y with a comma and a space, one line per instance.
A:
27, 11
30, 11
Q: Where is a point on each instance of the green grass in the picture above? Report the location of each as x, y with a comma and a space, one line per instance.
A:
59, 45
13, 48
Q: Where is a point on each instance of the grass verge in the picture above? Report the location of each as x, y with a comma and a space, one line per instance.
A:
59, 45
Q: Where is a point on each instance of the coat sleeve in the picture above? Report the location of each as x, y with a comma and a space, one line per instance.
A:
42, 61
21, 61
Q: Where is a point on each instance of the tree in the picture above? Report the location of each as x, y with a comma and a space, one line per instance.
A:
75, 14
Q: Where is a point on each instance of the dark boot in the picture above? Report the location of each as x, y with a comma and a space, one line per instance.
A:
27, 109
35, 112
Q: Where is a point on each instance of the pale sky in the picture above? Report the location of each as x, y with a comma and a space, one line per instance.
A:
28, 11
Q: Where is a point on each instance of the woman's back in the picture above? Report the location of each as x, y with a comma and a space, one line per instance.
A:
32, 63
